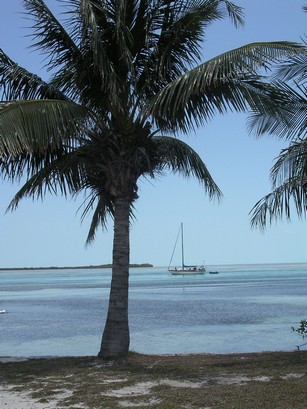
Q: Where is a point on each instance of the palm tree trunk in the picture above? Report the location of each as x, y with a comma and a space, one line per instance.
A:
116, 338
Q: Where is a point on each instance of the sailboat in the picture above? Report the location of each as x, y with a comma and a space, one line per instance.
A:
184, 269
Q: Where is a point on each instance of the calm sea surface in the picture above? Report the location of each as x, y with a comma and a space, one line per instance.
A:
244, 308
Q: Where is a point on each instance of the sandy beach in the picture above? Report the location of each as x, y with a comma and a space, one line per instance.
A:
11, 399
263, 380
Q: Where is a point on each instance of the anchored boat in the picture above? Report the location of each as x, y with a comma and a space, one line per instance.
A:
184, 269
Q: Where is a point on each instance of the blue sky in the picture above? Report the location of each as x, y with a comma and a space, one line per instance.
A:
50, 233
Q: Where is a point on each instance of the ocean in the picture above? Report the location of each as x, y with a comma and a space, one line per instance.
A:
244, 308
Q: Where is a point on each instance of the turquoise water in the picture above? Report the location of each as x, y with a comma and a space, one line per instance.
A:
244, 308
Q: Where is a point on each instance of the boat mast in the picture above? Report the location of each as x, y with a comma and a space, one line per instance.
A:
182, 252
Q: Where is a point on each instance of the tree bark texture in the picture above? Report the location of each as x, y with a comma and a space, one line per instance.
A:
116, 337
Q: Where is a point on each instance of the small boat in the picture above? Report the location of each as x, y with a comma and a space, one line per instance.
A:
184, 269
213, 272
2, 312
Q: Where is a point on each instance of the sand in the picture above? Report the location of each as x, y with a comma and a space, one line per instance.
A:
10, 399
140, 393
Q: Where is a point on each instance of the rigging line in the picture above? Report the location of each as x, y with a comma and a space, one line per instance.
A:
175, 246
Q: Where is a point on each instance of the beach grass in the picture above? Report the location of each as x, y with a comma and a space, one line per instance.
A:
234, 381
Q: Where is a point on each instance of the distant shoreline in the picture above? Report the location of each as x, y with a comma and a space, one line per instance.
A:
72, 267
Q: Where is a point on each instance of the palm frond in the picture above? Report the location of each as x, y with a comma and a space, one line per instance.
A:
291, 163
98, 26
18, 83
35, 187
289, 185
102, 209
71, 57
238, 94
277, 204
51, 172
50, 36
178, 157
218, 84
174, 39
36, 125
287, 118
293, 69
182, 33
235, 12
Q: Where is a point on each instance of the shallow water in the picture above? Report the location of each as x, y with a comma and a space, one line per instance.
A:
241, 309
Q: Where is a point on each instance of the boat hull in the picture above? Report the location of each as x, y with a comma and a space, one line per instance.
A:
186, 271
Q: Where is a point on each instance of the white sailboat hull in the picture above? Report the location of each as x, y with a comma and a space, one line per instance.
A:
187, 270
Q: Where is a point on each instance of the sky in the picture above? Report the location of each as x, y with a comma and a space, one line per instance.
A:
50, 233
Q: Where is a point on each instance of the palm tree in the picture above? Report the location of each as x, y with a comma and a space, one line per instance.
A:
289, 172
124, 81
